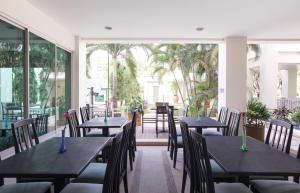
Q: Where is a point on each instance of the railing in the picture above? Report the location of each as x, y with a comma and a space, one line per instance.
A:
288, 103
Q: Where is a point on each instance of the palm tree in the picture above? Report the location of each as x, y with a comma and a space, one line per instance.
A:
118, 53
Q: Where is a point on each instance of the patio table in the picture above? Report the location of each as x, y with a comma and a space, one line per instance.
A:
259, 160
98, 123
202, 123
44, 161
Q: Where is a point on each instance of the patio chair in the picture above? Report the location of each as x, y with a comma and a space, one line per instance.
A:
132, 141
85, 116
279, 136
161, 112
175, 139
109, 174
41, 123
24, 135
203, 177
73, 122
222, 119
95, 172
233, 123
276, 186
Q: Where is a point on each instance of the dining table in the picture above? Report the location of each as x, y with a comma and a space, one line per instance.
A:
45, 161
202, 123
260, 159
100, 123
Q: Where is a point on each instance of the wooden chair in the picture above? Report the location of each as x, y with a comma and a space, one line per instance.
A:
233, 123
111, 173
161, 112
201, 164
41, 122
85, 116
187, 165
279, 135
95, 172
222, 119
169, 126
132, 141
176, 140
276, 186
24, 134
73, 122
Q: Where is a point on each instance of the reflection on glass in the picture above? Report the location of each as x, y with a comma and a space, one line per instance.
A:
42, 82
63, 69
11, 79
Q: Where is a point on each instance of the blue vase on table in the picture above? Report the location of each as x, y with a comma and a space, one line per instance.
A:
62, 147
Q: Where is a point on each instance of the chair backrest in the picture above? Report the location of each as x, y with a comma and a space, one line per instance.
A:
41, 124
279, 135
1, 179
233, 123
127, 130
201, 164
223, 115
186, 147
132, 134
111, 173
85, 115
172, 126
24, 134
73, 122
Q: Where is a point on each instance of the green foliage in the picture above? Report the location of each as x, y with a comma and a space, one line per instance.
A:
257, 112
296, 115
135, 104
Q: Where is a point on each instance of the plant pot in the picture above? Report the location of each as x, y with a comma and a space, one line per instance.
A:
175, 99
138, 118
256, 132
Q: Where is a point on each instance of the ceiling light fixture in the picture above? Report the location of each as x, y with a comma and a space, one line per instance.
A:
199, 28
108, 28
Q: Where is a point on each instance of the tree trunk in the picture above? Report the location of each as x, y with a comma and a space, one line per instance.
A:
114, 82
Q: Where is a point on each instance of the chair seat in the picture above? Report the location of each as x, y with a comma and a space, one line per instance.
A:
211, 133
94, 133
83, 188
231, 188
94, 173
268, 178
33, 187
179, 141
275, 186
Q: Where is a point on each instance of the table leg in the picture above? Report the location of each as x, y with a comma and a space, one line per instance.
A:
244, 180
105, 132
199, 130
59, 184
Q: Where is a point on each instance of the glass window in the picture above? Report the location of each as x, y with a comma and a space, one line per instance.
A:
11, 79
63, 79
42, 83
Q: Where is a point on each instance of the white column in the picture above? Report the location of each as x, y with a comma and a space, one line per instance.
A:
269, 76
233, 73
78, 90
289, 83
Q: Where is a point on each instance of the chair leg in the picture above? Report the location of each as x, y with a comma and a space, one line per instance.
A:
156, 127
125, 181
130, 159
183, 180
175, 157
169, 143
171, 151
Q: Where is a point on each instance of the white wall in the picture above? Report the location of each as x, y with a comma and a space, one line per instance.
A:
26, 15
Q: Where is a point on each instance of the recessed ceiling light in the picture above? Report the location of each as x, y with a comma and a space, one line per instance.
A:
108, 28
199, 28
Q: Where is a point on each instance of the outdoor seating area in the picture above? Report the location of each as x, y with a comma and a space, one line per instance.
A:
149, 96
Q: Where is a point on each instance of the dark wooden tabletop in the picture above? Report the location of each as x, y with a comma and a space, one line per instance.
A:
261, 159
44, 160
204, 122
98, 122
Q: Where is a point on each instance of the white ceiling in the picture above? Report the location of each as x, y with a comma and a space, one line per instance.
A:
176, 19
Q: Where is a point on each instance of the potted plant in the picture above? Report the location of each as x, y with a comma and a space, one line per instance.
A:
296, 117
282, 113
136, 104
257, 114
